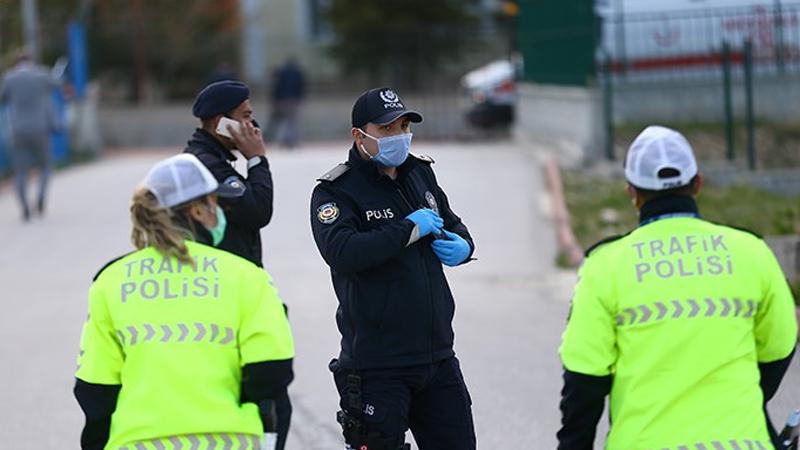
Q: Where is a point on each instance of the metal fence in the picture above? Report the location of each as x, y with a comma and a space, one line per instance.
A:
686, 45
727, 77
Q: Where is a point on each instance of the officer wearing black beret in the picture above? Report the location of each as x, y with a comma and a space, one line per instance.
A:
246, 215
385, 227
253, 211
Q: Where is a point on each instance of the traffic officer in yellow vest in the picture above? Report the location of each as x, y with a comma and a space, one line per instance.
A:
688, 325
185, 345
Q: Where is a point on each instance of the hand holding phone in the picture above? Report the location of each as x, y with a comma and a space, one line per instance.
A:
453, 251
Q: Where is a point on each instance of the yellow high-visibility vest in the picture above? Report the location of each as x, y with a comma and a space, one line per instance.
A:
680, 312
176, 338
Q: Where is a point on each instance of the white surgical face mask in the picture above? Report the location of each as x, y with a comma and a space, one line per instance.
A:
392, 150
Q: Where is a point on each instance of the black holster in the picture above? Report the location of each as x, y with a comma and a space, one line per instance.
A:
352, 421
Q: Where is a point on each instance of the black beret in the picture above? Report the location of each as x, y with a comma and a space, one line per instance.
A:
219, 98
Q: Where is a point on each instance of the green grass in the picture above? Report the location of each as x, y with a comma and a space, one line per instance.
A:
776, 145
590, 199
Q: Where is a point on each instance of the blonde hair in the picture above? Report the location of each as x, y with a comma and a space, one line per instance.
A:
159, 227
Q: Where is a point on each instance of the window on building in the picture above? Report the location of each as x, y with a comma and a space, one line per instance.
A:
319, 29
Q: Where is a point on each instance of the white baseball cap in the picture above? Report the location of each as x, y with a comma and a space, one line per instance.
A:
183, 178
655, 149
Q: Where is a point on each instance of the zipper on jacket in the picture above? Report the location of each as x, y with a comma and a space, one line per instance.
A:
405, 200
427, 279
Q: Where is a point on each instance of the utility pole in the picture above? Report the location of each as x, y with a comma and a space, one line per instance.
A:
777, 22
254, 42
30, 24
139, 52
619, 29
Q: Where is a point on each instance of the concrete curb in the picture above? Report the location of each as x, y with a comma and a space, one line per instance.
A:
567, 244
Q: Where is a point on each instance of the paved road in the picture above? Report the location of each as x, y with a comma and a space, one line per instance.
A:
511, 302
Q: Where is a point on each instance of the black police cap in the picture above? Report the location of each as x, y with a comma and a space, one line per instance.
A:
219, 98
381, 106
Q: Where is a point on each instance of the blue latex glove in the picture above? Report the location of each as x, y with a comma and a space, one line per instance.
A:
427, 220
451, 251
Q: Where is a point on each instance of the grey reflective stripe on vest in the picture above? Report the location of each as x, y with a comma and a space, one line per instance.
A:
218, 441
687, 309
176, 443
150, 332
168, 333
184, 331
201, 332
719, 445
228, 336
214, 331
134, 333
212, 443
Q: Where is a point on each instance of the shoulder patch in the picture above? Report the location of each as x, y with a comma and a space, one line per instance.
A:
328, 213
235, 185
602, 242
425, 158
334, 173
107, 265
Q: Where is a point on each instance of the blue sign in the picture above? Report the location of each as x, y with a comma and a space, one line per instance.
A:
78, 61
59, 145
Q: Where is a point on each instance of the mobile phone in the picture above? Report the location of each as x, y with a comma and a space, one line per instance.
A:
222, 126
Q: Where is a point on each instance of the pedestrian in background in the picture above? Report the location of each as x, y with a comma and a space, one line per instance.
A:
251, 212
385, 227
687, 326
185, 345
287, 93
26, 93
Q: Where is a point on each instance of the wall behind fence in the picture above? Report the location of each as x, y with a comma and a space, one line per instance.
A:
322, 118
775, 100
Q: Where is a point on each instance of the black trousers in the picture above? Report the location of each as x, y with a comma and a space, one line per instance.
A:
283, 411
431, 400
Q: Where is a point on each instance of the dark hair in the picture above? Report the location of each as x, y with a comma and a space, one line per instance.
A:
208, 123
686, 190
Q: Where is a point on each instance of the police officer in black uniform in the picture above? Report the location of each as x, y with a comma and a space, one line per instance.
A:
248, 214
385, 228
253, 211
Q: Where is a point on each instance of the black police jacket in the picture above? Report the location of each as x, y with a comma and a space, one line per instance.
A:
245, 215
395, 306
